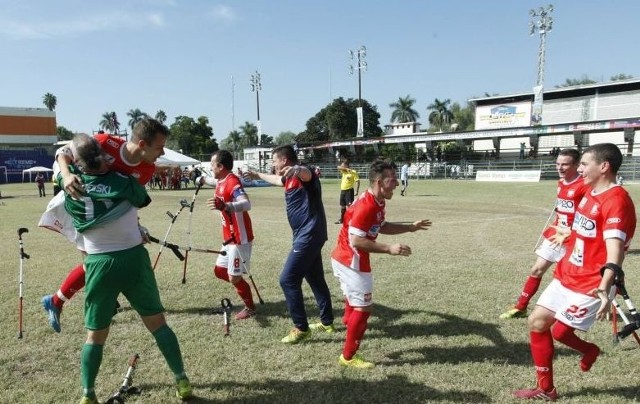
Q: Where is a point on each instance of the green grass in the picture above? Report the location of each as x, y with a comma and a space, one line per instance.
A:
434, 333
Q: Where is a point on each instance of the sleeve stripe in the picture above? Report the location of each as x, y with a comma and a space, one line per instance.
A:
357, 232
614, 233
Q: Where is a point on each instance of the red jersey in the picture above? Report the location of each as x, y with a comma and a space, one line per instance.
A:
114, 146
239, 229
363, 218
568, 196
602, 216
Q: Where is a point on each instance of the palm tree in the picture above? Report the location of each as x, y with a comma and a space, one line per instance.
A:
403, 110
110, 122
50, 101
136, 116
249, 134
161, 116
440, 116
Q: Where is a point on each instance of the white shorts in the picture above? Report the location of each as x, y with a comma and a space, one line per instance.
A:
356, 286
574, 309
550, 253
56, 218
239, 256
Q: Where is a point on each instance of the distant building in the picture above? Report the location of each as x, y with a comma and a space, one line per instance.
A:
27, 136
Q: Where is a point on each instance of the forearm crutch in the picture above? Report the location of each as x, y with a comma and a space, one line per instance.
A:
226, 314
183, 204
186, 255
630, 327
126, 388
23, 256
551, 216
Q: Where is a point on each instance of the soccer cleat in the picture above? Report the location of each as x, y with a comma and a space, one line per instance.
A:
357, 362
53, 312
536, 394
514, 313
245, 314
295, 336
184, 390
589, 359
89, 400
329, 329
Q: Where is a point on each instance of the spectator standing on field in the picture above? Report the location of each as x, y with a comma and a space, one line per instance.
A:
305, 212
234, 205
350, 178
571, 189
604, 225
40, 183
116, 262
350, 260
135, 157
404, 177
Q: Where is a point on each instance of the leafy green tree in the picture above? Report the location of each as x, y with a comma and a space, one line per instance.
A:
249, 135
283, 138
440, 117
64, 133
576, 82
50, 101
193, 137
621, 76
266, 140
464, 117
338, 120
110, 122
403, 110
232, 143
161, 116
136, 116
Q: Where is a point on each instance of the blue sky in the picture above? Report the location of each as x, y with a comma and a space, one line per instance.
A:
179, 55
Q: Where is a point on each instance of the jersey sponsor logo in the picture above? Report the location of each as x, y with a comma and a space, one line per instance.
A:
582, 203
613, 220
374, 230
584, 226
567, 316
577, 255
565, 205
594, 209
98, 188
113, 143
570, 193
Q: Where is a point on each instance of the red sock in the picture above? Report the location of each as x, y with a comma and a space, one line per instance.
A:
348, 309
567, 335
70, 286
221, 273
244, 291
542, 353
355, 331
530, 288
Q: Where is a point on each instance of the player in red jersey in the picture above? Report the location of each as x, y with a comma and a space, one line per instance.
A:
571, 189
135, 157
234, 205
362, 223
602, 230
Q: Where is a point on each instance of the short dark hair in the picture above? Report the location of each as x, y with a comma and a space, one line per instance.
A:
225, 158
148, 129
286, 151
573, 153
608, 152
378, 167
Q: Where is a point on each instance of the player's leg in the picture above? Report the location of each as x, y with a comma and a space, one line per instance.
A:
291, 278
343, 206
239, 257
90, 361
348, 309
317, 282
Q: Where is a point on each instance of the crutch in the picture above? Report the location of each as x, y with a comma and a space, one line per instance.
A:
244, 263
551, 216
186, 255
126, 389
183, 204
176, 248
226, 313
23, 256
630, 327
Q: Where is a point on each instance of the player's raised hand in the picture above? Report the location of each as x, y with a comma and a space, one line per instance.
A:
400, 249
423, 224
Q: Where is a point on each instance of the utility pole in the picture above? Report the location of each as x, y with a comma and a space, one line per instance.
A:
358, 56
256, 86
542, 23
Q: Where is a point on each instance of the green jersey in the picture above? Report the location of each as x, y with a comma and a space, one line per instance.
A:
106, 197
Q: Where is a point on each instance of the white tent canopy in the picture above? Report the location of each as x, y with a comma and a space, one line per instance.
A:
173, 158
36, 169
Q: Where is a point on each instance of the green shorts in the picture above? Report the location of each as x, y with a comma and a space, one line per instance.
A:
107, 275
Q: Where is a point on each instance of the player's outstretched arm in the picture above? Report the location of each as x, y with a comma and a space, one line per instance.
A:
399, 228
270, 178
371, 246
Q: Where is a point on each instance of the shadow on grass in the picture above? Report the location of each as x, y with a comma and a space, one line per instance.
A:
265, 311
631, 393
395, 388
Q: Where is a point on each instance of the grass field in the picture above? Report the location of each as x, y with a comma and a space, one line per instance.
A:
434, 333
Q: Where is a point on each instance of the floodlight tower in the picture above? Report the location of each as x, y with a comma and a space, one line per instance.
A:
360, 66
543, 23
256, 86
